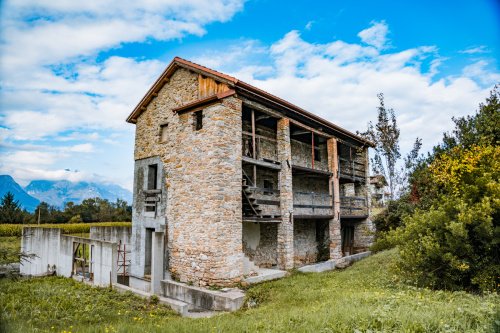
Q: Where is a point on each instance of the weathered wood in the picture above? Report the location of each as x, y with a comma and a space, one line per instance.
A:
258, 136
207, 86
262, 219
261, 163
315, 217
317, 171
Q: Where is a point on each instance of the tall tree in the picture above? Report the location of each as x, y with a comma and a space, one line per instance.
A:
10, 210
385, 135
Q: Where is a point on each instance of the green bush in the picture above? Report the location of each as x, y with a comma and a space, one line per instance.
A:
455, 244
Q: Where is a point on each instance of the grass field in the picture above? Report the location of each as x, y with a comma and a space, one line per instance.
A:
366, 297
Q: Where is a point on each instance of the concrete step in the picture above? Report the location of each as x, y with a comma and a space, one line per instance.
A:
266, 274
201, 298
249, 266
178, 306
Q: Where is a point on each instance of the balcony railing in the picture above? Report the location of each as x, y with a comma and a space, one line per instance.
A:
268, 200
265, 148
353, 207
312, 204
352, 169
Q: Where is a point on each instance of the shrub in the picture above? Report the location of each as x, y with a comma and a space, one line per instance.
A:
455, 243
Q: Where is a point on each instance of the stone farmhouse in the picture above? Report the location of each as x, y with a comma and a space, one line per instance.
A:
230, 180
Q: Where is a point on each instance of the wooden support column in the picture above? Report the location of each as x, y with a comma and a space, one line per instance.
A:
312, 149
254, 149
285, 228
335, 237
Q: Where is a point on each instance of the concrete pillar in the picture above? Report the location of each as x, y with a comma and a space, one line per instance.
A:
285, 228
157, 256
335, 237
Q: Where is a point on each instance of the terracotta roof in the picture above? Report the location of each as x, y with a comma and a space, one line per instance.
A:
233, 83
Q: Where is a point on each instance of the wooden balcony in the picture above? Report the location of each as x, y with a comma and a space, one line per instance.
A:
312, 205
352, 170
265, 147
353, 207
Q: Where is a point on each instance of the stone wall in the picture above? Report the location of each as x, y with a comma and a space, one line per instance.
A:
305, 242
302, 156
260, 243
202, 173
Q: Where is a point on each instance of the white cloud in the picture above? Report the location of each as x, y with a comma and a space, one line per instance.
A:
82, 148
478, 71
376, 35
475, 50
340, 81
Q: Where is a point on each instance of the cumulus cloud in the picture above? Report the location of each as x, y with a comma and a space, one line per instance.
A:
376, 35
56, 88
340, 81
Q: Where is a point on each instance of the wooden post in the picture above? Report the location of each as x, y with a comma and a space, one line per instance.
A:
312, 149
254, 150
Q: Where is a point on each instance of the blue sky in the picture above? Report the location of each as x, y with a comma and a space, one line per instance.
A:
72, 71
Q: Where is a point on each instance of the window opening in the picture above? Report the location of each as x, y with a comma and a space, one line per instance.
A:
163, 132
152, 177
317, 154
198, 120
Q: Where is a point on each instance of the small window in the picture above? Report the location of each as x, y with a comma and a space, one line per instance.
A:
198, 120
163, 132
153, 177
317, 154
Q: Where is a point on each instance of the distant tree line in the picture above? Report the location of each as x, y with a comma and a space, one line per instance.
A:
90, 210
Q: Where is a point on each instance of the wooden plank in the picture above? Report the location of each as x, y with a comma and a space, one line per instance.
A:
258, 136
261, 163
301, 168
310, 129
315, 217
262, 219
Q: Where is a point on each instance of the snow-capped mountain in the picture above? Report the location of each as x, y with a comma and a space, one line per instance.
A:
59, 192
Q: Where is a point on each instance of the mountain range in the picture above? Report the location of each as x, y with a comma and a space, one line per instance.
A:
57, 193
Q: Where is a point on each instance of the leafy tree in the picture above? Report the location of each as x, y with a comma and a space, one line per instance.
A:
452, 238
455, 243
10, 210
385, 135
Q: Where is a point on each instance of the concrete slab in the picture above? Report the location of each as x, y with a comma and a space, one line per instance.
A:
332, 264
201, 298
265, 274
180, 307
319, 267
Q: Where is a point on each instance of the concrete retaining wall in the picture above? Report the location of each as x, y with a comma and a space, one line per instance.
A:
55, 252
112, 234
44, 243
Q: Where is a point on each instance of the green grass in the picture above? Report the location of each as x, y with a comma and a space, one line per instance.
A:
67, 228
366, 297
